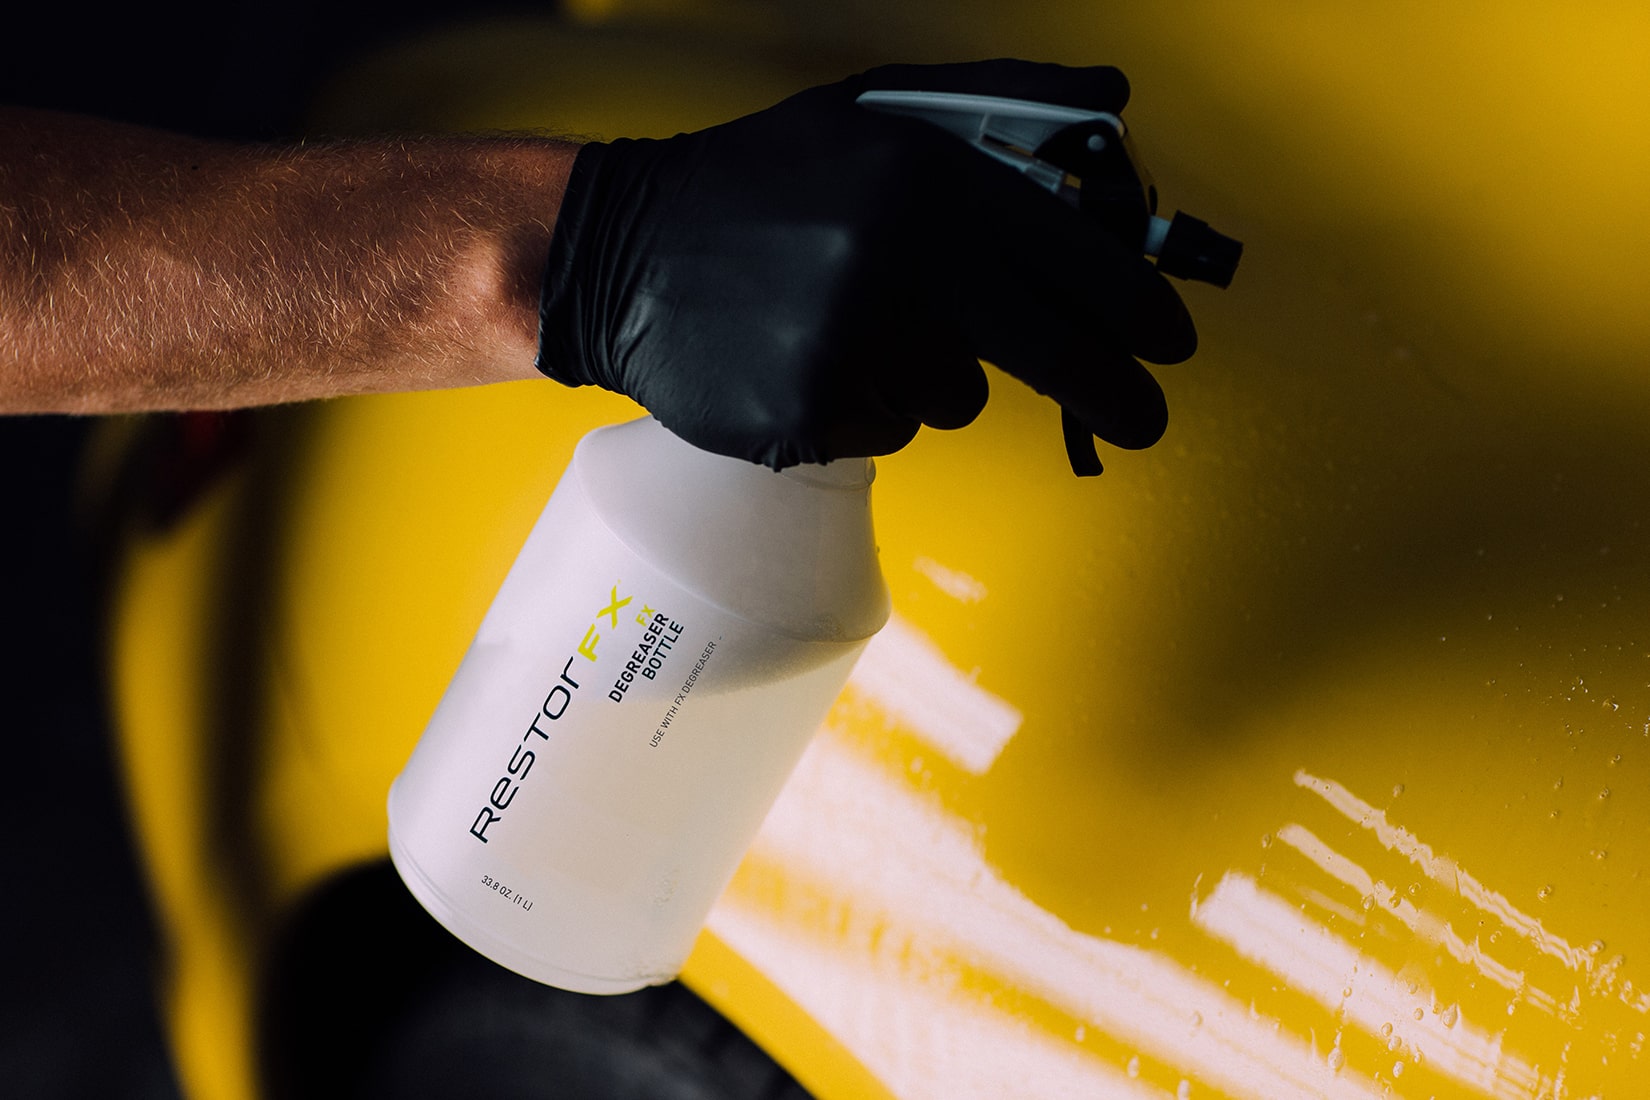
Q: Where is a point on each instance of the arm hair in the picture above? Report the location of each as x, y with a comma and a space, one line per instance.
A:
146, 270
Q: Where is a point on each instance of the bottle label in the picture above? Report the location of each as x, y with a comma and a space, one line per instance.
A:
626, 648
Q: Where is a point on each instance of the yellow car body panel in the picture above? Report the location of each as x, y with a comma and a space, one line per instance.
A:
1306, 754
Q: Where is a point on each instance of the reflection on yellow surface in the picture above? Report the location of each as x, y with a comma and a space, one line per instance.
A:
891, 930
1602, 978
876, 911
915, 686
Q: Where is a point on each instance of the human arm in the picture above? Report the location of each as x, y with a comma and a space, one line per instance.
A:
813, 281
146, 270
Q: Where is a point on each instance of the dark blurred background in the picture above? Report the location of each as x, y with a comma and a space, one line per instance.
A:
78, 1000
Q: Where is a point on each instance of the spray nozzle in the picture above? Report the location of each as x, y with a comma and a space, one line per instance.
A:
1086, 158
1190, 249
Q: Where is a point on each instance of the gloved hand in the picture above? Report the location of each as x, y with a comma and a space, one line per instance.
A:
817, 280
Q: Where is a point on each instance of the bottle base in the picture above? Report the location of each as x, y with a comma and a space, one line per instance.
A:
476, 936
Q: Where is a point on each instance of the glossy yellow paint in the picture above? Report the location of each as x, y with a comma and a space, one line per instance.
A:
1306, 754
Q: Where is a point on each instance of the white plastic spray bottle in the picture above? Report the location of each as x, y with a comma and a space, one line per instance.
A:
672, 633
663, 648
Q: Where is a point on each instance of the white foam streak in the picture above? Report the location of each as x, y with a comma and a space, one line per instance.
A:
924, 1042
953, 582
1384, 897
914, 683
1268, 931
1444, 871
916, 895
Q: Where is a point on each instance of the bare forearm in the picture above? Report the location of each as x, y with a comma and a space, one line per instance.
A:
143, 270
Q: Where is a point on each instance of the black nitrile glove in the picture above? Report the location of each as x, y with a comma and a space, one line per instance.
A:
818, 280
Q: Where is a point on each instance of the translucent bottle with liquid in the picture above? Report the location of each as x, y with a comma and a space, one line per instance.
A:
665, 645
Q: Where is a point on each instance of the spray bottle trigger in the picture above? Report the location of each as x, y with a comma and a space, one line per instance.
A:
1087, 159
